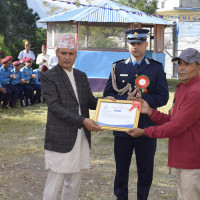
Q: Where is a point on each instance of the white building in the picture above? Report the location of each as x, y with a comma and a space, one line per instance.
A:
187, 32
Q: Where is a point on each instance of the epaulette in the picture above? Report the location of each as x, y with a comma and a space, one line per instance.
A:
120, 60
155, 60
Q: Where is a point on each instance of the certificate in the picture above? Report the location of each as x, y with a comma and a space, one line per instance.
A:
119, 115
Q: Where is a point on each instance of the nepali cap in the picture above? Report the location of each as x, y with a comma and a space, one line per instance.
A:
189, 55
136, 35
67, 41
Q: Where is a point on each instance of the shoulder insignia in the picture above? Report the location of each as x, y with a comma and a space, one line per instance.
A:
147, 61
127, 61
120, 60
155, 60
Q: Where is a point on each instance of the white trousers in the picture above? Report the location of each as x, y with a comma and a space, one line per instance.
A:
69, 184
188, 182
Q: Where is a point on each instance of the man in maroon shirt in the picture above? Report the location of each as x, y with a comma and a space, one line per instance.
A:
181, 125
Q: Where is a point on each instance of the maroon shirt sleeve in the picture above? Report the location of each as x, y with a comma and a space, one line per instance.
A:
186, 115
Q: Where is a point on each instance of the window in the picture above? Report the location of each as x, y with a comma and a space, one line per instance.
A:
101, 37
56, 30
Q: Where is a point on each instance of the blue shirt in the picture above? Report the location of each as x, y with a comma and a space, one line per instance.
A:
4, 76
26, 73
134, 62
37, 80
17, 79
10, 68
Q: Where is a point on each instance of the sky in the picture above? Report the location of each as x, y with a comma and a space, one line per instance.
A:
37, 6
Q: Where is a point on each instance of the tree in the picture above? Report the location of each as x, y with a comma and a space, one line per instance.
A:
4, 17
54, 9
143, 5
22, 26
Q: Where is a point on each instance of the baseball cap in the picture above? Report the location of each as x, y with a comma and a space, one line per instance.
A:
189, 55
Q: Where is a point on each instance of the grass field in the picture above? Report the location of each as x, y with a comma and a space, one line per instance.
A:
22, 173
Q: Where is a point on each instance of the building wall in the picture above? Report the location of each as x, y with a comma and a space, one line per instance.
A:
170, 4
188, 36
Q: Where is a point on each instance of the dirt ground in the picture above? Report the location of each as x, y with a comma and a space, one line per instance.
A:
24, 179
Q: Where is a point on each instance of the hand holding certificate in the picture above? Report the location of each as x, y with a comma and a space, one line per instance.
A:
119, 115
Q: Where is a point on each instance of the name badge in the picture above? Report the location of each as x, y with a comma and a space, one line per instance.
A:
123, 74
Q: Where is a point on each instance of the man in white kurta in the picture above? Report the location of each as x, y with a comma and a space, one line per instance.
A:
65, 166
43, 58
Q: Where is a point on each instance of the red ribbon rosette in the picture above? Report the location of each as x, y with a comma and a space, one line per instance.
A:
142, 82
135, 104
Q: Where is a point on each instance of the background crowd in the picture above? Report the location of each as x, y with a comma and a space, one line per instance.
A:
19, 81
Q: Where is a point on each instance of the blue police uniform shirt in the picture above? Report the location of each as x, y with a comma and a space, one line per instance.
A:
36, 81
4, 76
10, 67
26, 73
17, 79
134, 62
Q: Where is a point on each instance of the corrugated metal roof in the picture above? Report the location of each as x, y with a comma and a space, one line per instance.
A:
101, 15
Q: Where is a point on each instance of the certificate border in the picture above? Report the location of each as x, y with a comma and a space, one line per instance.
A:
135, 124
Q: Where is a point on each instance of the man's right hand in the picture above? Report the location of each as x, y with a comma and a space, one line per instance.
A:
145, 108
91, 125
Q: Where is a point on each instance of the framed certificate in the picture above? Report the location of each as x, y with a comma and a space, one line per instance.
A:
119, 115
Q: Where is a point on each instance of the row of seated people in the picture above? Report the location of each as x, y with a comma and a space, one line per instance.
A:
20, 81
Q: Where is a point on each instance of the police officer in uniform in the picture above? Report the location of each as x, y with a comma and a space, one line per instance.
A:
148, 75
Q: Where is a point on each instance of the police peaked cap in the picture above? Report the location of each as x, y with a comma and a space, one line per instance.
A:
136, 35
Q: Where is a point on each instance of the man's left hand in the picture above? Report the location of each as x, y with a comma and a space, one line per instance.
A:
135, 95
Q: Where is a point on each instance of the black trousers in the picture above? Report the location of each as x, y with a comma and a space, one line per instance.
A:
144, 151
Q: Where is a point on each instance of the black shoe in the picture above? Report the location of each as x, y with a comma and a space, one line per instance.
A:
5, 107
13, 106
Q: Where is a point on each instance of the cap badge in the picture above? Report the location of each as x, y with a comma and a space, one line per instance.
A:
136, 34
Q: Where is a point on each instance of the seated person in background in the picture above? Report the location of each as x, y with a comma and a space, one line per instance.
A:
10, 62
16, 81
53, 60
43, 58
36, 80
27, 75
27, 53
4, 96
5, 78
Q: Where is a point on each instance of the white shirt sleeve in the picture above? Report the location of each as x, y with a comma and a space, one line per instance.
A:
20, 56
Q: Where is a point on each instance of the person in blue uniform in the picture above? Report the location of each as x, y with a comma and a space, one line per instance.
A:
5, 78
4, 97
27, 75
148, 75
16, 82
36, 80
10, 63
